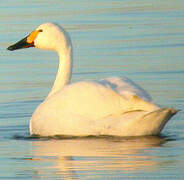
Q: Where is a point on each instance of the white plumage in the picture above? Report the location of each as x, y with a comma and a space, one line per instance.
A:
111, 106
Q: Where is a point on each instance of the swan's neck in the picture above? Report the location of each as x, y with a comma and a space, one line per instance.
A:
64, 70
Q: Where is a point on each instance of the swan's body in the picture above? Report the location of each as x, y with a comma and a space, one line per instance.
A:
112, 106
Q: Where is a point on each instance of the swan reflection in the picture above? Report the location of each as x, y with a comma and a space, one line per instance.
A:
68, 158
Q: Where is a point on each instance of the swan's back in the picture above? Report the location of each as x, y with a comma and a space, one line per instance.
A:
126, 87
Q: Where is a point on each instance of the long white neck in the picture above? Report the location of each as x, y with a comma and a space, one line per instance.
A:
64, 70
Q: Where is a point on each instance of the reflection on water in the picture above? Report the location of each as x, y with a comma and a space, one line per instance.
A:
71, 157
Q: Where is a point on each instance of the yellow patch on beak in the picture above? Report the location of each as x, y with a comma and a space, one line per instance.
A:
32, 36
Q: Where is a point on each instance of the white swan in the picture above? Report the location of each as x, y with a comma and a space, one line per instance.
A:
112, 106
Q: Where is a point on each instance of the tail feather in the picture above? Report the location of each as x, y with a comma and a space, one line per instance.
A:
157, 120
136, 123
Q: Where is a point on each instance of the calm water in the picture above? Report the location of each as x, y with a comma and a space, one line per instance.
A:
143, 40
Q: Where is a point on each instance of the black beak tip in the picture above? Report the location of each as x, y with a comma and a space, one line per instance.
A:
10, 48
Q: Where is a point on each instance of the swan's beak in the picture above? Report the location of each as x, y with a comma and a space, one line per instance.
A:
21, 44
26, 42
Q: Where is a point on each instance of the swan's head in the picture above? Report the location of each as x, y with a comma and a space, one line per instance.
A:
48, 36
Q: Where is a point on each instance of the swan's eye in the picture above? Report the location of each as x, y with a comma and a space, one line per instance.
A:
40, 30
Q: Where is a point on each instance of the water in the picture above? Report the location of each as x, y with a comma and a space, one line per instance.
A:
143, 40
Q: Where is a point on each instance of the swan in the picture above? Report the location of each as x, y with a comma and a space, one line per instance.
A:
111, 106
